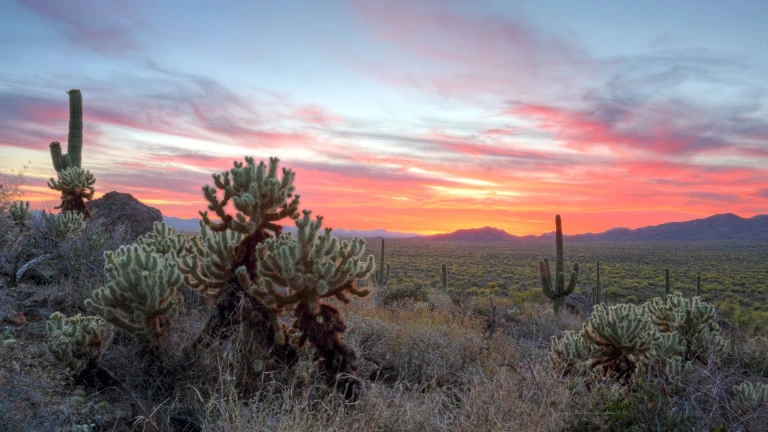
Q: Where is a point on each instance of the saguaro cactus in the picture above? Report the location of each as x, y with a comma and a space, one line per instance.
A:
595, 297
698, 286
380, 277
666, 283
73, 157
74, 183
444, 277
556, 289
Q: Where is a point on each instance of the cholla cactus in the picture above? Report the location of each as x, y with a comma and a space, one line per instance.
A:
668, 354
304, 271
261, 198
74, 341
19, 213
209, 269
165, 240
573, 353
625, 339
74, 183
64, 225
76, 186
555, 289
141, 296
750, 396
693, 319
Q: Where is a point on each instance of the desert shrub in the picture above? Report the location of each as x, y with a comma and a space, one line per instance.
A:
624, 339
79, 260
418, 345
388, 295
11, 244
10, 189
613, 408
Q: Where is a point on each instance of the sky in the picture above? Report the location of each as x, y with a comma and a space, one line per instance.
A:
412, 116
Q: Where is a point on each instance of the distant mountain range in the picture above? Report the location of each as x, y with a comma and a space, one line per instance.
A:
718, 227
192, 225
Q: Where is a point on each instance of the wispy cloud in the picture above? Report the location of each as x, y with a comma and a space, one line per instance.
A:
108, 28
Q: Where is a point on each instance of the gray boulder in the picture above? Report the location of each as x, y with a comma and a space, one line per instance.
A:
116, 208
578, 304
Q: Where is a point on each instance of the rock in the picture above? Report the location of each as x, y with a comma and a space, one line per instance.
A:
41, 273
578, 304
116, 208
725, 326
15, 318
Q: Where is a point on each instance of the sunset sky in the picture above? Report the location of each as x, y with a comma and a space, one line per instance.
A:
412, 116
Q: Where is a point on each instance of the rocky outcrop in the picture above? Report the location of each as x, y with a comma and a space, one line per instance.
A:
579, 305
116, 208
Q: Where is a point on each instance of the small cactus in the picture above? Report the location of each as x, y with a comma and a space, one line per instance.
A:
20, 214
749, 397
76, 340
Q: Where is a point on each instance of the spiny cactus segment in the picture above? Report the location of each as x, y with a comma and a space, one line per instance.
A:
692, 319
165, 240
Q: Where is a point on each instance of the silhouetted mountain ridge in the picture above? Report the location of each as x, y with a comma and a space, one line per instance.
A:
726, 226
193, 225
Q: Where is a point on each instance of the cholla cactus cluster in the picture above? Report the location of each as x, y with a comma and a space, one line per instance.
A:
554, 285
749, 397
165, 240
245, 260
142, 295
692, 319
74, 183
572, 353
65, 225
304, 271
73, 341
19, 213
209, 268
261, 198
623, 340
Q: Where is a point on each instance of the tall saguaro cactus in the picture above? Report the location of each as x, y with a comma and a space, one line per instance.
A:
444, 276
698, 286
666, 283
556, 289
74, 183
381, 277
595, 297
